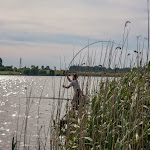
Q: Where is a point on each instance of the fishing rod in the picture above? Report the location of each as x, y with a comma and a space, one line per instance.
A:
48, 98
101, 41
88, 46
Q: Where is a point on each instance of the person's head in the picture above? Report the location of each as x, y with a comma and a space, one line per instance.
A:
74, 77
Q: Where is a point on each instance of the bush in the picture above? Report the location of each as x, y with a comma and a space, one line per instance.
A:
34, 71
42, 72
27, 71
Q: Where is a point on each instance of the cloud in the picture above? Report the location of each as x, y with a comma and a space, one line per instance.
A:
86, 18
35, 53
30, 25
43, 38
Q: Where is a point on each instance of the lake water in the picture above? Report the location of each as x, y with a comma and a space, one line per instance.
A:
41, 111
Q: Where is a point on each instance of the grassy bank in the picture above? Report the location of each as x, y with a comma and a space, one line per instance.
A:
61, 73
99, 74
9, 73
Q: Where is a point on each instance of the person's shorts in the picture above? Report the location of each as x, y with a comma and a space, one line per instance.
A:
76, 99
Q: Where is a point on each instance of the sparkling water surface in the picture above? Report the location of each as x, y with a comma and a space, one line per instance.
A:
14, 101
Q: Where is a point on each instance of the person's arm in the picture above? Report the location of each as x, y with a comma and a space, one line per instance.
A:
68, 78
67, 87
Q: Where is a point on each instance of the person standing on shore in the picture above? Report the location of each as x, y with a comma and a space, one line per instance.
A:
77, 91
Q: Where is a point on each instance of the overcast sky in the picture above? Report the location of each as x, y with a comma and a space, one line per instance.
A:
43, 31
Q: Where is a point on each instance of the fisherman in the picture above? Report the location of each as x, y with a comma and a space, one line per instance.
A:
77, 90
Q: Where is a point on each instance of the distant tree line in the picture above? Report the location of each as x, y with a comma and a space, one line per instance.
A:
97, 69
34, 70
4, 68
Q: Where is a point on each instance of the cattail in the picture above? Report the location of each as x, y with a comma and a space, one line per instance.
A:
136, 51
127, 23
118, 47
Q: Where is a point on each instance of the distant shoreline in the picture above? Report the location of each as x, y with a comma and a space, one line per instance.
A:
94, 74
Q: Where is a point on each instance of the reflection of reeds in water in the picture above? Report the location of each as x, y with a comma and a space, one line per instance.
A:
115, 114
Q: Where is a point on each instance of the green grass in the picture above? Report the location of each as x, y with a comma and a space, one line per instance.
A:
59, 72
9, 73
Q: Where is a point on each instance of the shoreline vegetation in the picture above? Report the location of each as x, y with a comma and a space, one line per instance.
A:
60, 73
115, 117
74, 69
80, 71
